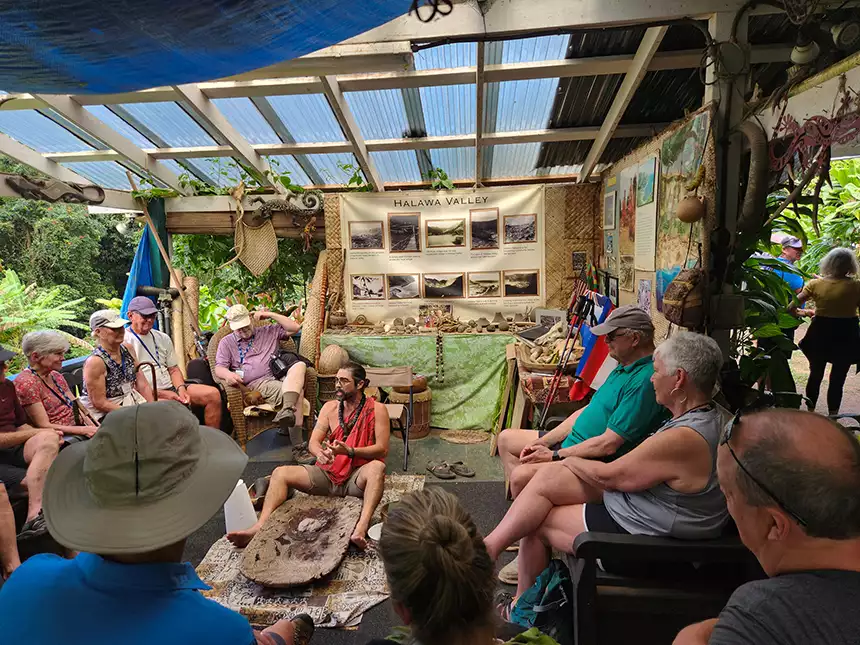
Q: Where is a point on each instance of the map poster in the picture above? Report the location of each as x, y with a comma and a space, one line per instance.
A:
477, 251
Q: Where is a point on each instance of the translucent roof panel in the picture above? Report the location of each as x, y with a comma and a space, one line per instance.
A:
246, 118
459, 163
328, 166
38, 132
449, 110
288, 163
221, 171
103, 113
380, 114
520, 105
519, 160
530, 50
397, 166
108, 174
444, 56
308, 117
171, 123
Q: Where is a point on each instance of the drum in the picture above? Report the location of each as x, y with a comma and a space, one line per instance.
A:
420, 409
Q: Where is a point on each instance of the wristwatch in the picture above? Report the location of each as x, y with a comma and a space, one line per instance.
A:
556, 456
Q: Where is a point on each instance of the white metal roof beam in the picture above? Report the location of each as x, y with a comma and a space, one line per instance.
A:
509, 17
647, 48
70, 109
344, 117
373, 145
479, 114
206, 111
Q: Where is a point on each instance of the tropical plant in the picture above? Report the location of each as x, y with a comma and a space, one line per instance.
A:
439, 179
25, 308
110, 303
356, 182
210, 310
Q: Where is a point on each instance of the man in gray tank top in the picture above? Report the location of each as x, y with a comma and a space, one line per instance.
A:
792, 482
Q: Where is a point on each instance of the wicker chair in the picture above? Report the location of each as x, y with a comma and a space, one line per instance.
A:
246, 428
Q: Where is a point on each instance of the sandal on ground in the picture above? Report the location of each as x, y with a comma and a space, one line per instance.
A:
504, 604
509, 574
461, 469
33, 528
440, 470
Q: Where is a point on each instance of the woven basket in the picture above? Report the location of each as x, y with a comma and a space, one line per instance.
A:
526, 363
192, 295
177, 324
332, 221
326, 388
314, 314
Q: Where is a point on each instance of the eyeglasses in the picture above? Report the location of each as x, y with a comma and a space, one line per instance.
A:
727, 435
342, 381
615, 333
148, 316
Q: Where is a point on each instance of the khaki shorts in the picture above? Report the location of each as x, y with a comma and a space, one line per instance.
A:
321, 485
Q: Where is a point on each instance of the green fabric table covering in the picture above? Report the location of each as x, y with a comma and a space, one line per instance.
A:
474, 369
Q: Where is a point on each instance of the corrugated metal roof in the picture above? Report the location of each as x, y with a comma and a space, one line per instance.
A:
449, 110
170, 122
288, 163
445, 56
397, 166
38, 132
521, 105
665, 96
246, 118
308, 117
380, 114
459, 163
107, 174
329, 167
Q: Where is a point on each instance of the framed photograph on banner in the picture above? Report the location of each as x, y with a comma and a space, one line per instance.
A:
366, 235
549, 317
608, 211
612, 290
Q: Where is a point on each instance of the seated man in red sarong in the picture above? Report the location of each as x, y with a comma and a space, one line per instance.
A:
350, 443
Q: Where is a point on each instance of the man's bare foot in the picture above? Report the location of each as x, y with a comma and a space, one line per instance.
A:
359, 539
241, 538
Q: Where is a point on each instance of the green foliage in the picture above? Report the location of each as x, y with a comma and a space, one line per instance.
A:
25, 308
110, 303
439, 180
229, 173
356, 182
838, 214
62, 244
283, 283
211, 309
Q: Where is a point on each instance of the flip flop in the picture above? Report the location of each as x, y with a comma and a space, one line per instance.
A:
440, 470
461, 469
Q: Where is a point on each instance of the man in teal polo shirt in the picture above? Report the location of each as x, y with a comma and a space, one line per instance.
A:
622, 412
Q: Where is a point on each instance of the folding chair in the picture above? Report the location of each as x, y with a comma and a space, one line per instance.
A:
399, 414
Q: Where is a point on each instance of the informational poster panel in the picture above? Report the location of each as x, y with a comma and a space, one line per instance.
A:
477, 251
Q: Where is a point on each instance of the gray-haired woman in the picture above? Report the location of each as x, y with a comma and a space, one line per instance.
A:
42, 390
834, 335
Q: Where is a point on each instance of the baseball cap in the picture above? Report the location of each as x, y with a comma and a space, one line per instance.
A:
107, 318
150, 477
5, 354
793, 242
238, 317
142, 305
626, 317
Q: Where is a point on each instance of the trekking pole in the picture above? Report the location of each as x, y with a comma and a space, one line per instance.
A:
583, 308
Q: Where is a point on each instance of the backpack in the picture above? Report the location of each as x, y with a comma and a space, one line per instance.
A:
684, 298
548, 604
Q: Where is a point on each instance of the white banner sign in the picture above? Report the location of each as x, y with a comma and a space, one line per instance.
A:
477, 251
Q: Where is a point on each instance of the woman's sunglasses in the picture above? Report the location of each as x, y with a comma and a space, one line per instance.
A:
727, 435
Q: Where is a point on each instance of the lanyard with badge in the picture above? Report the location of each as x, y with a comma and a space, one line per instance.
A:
243, 354
59, 392
153, 357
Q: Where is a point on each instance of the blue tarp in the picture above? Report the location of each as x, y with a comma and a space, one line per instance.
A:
98, 46
140, 274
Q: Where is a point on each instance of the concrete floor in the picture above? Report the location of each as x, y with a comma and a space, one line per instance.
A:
272, 447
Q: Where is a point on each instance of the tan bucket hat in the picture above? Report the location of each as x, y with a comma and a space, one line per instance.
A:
150, 477
238, 317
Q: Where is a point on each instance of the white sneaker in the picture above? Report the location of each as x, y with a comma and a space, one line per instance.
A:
508, 574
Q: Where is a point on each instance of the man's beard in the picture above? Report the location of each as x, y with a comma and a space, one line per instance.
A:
340, 395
